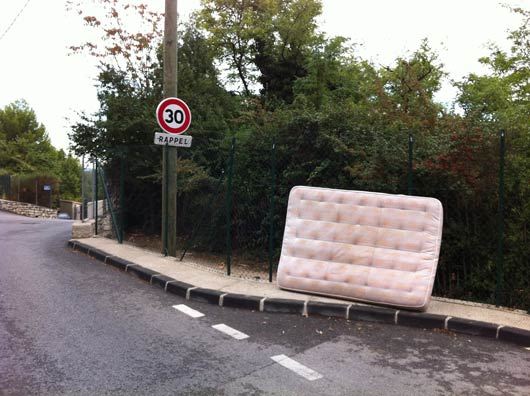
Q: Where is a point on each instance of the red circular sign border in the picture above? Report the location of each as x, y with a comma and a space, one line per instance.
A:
160, 112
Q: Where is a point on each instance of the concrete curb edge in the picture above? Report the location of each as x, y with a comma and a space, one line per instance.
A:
349, 312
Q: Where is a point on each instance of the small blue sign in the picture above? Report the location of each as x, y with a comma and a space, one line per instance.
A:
47, 188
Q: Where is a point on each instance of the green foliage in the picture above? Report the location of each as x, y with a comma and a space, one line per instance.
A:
262, 41
26, 150
70, 177
123, 128
24, 144
406, 91
501, 100
503, 96
337, 121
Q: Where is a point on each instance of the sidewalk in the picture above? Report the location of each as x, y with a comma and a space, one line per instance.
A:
197, 283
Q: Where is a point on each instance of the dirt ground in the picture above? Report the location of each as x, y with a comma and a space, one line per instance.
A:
242, 266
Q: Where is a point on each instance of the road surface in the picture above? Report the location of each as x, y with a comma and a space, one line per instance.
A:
70, 325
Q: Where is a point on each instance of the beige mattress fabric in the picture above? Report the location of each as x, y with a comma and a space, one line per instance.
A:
370, 247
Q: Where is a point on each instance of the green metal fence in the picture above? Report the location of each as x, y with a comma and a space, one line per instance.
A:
232, 199
42, 190
5, 186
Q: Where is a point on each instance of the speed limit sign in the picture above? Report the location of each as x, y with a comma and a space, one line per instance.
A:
173, 115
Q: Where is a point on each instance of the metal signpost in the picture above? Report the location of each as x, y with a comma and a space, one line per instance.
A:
48, 188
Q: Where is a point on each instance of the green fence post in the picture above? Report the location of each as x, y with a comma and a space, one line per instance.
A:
109, 203
271, 207
228, 204
122, 196
500, 224
96, 195
409, 172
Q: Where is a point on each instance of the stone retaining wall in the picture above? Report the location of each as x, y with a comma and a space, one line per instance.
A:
27, 209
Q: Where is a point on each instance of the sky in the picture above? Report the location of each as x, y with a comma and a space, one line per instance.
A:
36, 65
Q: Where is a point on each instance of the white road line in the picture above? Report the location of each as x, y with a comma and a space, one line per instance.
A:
298, 368
188, 311
230, 331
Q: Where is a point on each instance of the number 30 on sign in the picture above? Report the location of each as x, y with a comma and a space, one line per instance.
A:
173, 115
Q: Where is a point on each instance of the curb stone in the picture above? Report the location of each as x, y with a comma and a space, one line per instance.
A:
82, 248
205, 295
515, 335
327, 309
283, 305
372, 314
145, 274
98, 254
472, 327
350, 312
117, 262
161, 280
242, 301
179, 288
423, 320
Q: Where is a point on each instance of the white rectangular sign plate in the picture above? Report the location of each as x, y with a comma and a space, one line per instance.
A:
172, 140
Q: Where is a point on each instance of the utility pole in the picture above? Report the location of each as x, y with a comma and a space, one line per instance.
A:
169, 158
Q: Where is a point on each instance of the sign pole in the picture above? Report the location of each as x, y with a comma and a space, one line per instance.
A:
169, 160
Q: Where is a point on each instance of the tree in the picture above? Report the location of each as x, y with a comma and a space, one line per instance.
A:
332, 73
230, 24
132, 54
406, 91
122, 130
264, 41
26, 151
69, 176
500, 100
128, 86
282, 50
337, 121
503, 96
24, 144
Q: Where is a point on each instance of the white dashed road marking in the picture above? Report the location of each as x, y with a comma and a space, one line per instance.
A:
298, 368
188, 311
230, 331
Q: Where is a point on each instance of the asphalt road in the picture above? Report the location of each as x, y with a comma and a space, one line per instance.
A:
70, 325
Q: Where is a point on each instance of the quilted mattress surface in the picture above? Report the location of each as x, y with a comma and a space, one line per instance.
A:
371, 247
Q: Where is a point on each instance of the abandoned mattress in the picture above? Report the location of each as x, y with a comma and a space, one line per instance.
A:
371, 247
